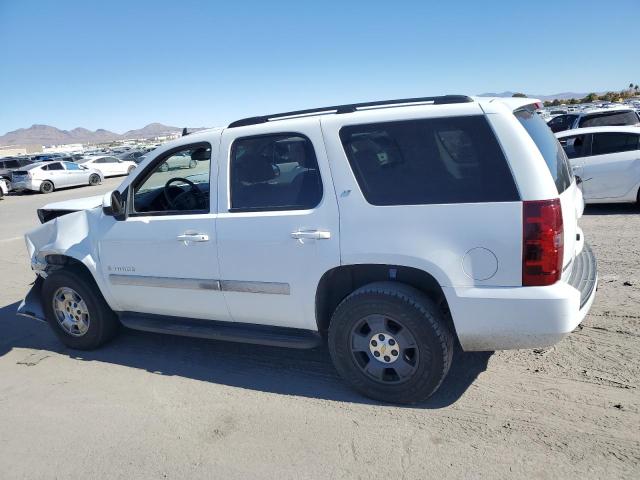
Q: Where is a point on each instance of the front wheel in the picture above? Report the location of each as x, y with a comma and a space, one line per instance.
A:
193, 164
390, 342
164, 167
76, 310
131, 169
94, 179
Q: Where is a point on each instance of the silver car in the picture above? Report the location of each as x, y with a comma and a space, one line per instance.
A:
45, 177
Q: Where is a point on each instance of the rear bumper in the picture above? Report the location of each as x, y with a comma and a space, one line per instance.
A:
524, 317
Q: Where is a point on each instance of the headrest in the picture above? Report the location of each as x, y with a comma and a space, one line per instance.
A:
201, 153
255, 169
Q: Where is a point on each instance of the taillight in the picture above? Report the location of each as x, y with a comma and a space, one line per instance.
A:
542, 242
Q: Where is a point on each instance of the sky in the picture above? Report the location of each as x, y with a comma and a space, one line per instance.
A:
120, 65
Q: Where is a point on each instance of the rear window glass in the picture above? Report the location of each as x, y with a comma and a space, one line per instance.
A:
549, 147
444, 160
610, 119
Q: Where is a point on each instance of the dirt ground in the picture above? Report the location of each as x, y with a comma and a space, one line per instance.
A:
152, 406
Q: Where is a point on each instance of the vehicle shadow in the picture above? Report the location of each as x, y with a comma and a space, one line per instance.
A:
612, 209
307, 373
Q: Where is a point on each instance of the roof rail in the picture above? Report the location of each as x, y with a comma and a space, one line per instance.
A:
352, 107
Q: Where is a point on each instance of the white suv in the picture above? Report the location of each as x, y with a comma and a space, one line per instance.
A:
389, 229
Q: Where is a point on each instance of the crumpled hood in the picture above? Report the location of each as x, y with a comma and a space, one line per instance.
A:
76, 204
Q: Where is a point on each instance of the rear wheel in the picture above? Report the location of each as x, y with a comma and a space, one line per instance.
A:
391, 343
164, 167
46, 187
131, 169
94, 179
76, 311
193, 164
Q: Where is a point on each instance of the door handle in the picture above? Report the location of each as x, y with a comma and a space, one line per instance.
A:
193, 237
311, 234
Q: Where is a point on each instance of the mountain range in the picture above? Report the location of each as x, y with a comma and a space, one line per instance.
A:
48, 135
559, 96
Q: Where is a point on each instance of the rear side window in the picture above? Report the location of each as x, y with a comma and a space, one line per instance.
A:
274, 172
430, 161
612, 142
53, 166
549, 147
609, 119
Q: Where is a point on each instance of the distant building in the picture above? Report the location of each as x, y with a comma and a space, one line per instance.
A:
67, 148
10, 150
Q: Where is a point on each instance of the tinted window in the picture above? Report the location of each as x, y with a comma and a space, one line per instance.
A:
609, 118
549, 147
576, 146
11, 164
162, 191
54, 166
445, 160
614, 142
274, 172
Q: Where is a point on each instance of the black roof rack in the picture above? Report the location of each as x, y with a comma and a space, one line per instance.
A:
352, 107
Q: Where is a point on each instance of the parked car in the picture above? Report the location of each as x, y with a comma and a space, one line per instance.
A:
179, 160
45, 177
131, 156
607, 160
4, 188
390, 233
617, 117
109, 165
9, 164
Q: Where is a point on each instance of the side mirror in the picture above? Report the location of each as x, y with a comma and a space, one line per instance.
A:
113, 204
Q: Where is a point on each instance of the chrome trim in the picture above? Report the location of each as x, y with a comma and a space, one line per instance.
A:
274, 288
165, 282
271, 288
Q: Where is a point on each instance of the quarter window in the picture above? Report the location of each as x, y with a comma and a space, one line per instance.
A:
274, 172
612, 142
445, 160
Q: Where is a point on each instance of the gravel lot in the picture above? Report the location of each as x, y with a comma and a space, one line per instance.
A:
152, 406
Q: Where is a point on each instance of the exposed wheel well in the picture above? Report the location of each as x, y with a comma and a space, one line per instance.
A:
339, 282
57, 262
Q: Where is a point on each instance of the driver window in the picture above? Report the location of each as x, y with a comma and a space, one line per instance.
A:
178, 183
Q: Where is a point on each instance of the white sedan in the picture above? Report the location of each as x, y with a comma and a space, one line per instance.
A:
607, 160
4, 188
46, 177
108, 165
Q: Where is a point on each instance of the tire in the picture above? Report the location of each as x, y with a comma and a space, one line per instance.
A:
193, 164
94, 179
164, 167
131, 169
81, 294
46, 187
401, 314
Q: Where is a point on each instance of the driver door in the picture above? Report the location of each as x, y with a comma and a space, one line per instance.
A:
162, 258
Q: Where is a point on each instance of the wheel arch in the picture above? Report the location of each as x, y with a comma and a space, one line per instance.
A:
336, 284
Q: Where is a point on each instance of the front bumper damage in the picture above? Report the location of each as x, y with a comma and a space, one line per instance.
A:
31, 306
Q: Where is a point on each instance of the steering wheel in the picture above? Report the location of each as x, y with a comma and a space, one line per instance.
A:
192, 199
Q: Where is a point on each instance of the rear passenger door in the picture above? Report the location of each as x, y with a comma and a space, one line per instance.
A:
278, 227
613, 168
